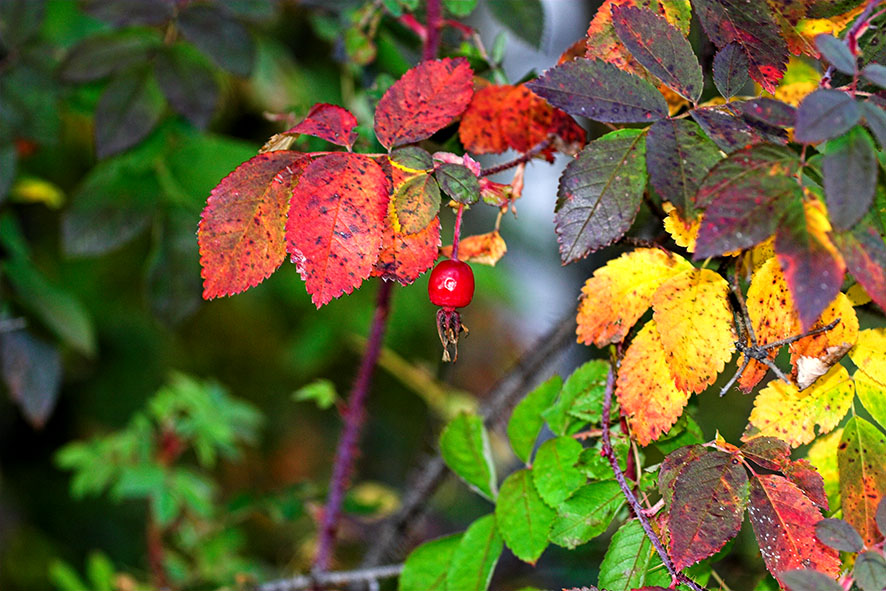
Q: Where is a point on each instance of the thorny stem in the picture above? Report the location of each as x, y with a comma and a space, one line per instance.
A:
456, 233
432, 28
354, 415
609, 453
367, 575
532, 153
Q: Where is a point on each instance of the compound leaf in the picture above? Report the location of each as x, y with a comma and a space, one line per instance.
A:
336, 223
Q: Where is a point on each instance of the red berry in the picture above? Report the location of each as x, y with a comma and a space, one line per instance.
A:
451, 284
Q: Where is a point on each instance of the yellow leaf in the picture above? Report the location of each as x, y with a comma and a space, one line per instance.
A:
823, 455
683, 231
772, 315
28, 189
645, 389
485, 249
781, 410
869, 353
694, 321
828, 347
857, 295
615, 297
799, 80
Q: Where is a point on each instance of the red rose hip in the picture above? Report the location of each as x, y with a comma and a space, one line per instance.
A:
451, 284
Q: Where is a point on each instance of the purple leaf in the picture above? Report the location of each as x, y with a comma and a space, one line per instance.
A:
850, 177
188, 83
836, 52
839, 535
129, 108
731, 70
733, 132
825, 114
601, 92
219, 36
770, 111
32, 373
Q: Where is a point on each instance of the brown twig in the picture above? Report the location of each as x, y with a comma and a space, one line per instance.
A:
609, 453
354, 416
532, 153
363, 575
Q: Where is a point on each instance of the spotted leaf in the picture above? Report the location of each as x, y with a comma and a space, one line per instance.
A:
862, 476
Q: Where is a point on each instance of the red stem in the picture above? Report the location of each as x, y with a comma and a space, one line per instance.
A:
532, 153
609, 453
456, 233
154, 539
354, 416
432, 28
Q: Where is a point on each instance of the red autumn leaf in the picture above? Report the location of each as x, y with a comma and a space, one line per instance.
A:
706, 511
502, 117
865, 255
404, 257
423, 101
673, 464
784, 521
241, 232
807, 478
329, 122
774, 454
336, 223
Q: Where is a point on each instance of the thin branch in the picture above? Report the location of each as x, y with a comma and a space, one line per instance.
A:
803, 335
609, 453
523, 376
354, 416
432, 26
526, 157
12, 324
363, 575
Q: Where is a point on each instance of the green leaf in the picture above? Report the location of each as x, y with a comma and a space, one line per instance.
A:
526, 420
128, 110
474, 559
850, 177
837, 53
825, 114
219, 36
678, 12
600, 193
65, 577
870, 571
523, 518
426, 567
31, 369
745, 197
20, 19
581, 398
413, 157
321, 391
8, 169
464, 445
524, 18
417, 201
684, 432
862, 476
458, 182
872, 395
660, 48
678, 157
102, 55
139, 482
59, 310
629, 561
601, 92
460, 8
101, 572
554, 471
586, 514
839, 535
731, 70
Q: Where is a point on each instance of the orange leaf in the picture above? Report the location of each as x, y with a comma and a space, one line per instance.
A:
615, 297
241, 233
694, 320
404, 257
336, 223
812, 356
772, 315
485, 249
645, 389
784, 521
426, 99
